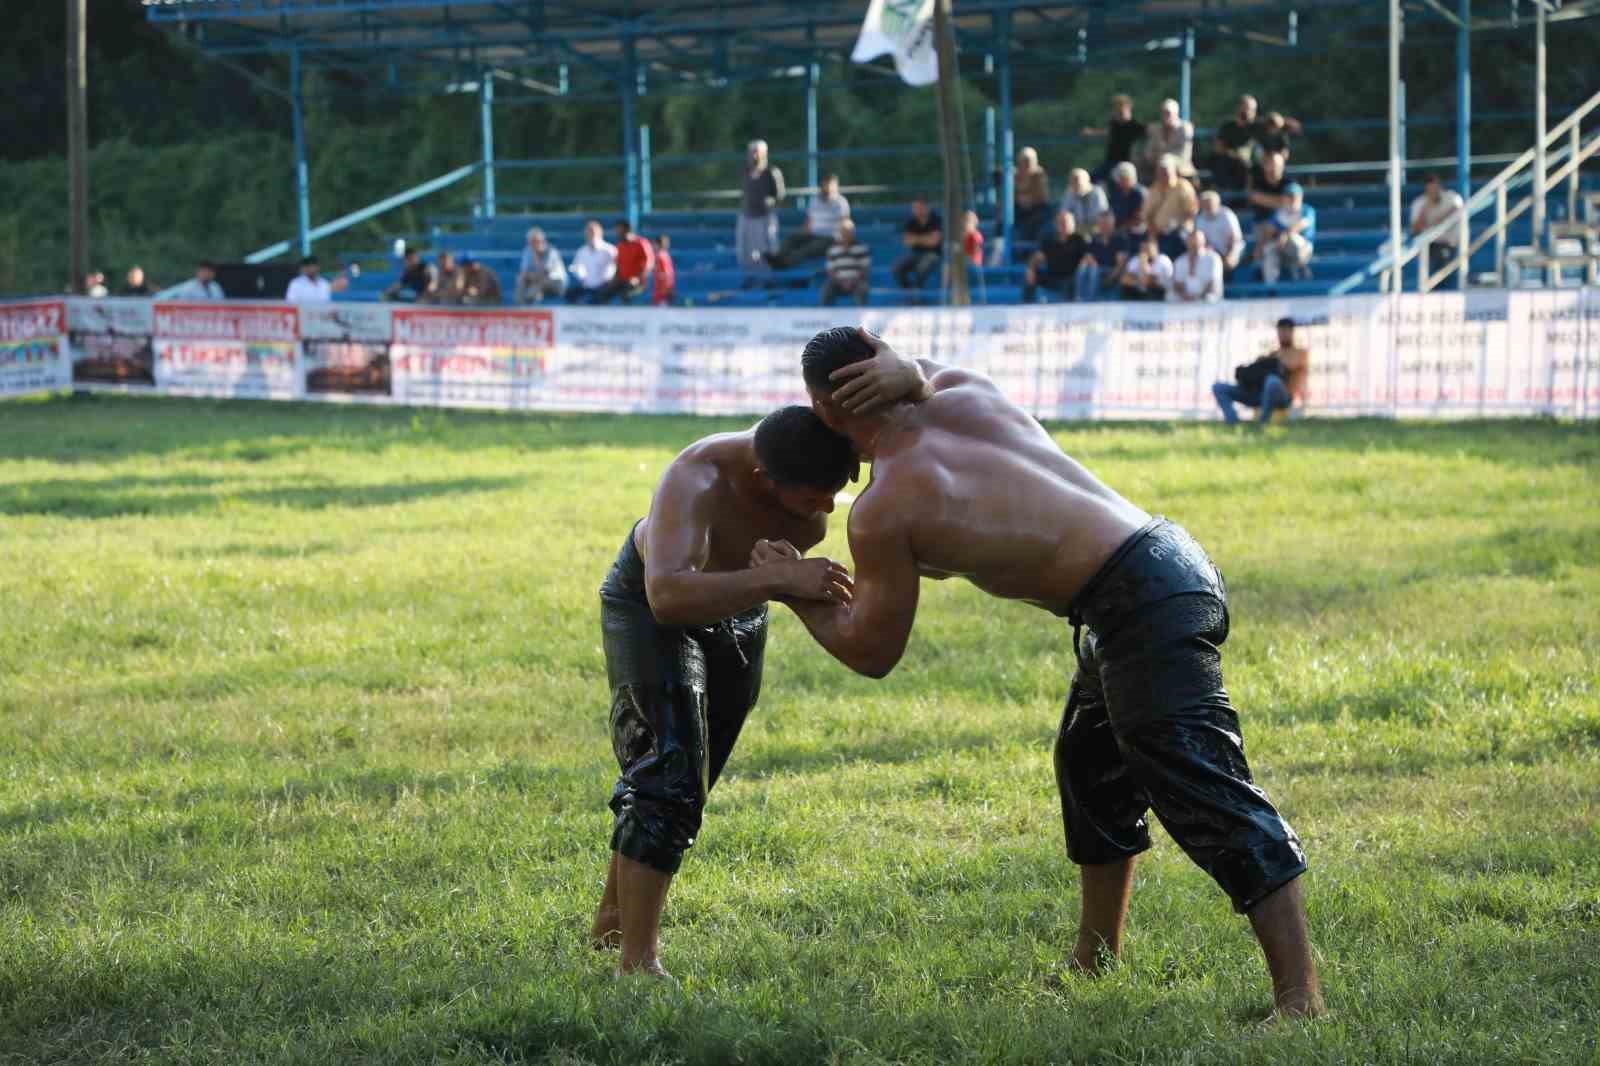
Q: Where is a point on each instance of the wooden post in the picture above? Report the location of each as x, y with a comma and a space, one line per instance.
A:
950, 138
78, 141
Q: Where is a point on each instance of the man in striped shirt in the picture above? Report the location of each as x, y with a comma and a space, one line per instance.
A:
848, 263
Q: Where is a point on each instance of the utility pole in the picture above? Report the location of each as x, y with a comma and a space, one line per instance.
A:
78, 140
950, 144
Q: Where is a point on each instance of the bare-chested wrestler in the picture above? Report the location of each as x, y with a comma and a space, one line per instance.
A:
684, 621
966, 484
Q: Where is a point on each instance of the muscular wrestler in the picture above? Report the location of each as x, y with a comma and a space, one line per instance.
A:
684, 621
965, 483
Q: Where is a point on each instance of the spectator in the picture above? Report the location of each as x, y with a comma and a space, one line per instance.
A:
823, 216
479, 286
1085, 200
311, 287
1122, 132
541, 273
1032, 198
849, 262
1055, 265
666, 289
923, 236
1293, 238
1197, 274
136, 284
972, 238
416, 279
593, 265
1171, 206
1267, 183
1103, 260
203, 286
1235, 147
1274, 382
1126, 197
1147, 273
1171, 135
446, 287
757, 230
635, 260
94, 284
1273, 134
1434, 206
1221, 227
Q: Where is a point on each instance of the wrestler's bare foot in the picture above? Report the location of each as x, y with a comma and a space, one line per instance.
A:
606, 932
1091, 958
645, 968
1299, 1005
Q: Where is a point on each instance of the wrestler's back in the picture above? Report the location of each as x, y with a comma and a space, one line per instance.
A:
989, 496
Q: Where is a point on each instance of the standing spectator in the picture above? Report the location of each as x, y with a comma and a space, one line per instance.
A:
136, 284
311, 287
1235, 147
541, 273
479, 286
1032, 198
1147, 273
203, 286
1434, 206
446, 287
823, 215
1103, 260
1055, 265
1171, 206
1267, 184
1197, 275
635, 259
1274, 382
594, 264
1223, 234
849, 262
1085, 200
1122, 132
1273, 133
757, 230
1293, 238
1171, 135
1127, 198
94, 284
923, 236
972, 238
666, 285
416, 279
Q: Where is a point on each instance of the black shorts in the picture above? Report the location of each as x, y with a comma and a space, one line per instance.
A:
679, 696
1148, 725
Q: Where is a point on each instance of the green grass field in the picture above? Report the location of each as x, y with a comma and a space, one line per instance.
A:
303, 759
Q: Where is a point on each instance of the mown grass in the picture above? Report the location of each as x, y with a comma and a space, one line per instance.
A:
302, 722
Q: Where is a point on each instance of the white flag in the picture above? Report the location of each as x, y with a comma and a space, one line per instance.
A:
904, 27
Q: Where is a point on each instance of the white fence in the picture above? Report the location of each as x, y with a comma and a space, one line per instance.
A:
1445, 355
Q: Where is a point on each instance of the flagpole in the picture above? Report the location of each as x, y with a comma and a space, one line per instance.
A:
950, 144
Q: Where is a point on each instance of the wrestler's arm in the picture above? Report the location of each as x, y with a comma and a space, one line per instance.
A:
678, 544
889, 377
869, 633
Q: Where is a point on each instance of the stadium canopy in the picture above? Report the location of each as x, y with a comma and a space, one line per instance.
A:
550, 50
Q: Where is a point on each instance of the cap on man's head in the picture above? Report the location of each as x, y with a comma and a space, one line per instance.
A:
1294, 188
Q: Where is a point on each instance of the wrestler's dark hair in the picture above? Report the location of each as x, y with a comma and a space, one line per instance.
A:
797, 448
828, 351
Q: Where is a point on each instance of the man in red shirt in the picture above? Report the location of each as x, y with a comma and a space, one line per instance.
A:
635, 260
666, 274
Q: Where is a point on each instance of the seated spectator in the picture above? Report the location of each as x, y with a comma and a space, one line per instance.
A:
635, 260
923, 236
1085, 200
1293, 238
1434, 206
1171, 135
849, 262
1103, 260
823, 215
594, 264
666, 289
1273, 133
1121, 132
1126, 197
541, 273
1170, 207
136, 284
1235, 147
479, 286
203, 286
1055, 265
1221, 227
311, 287
446, 287
94, 284
757, 229
1197, 274
415, 281
1274, 382
1032, 198
1267, 183
1147, 273
972, 238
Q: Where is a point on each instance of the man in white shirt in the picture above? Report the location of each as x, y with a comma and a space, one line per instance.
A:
1223, 233
203, 286
1085, 201
1173, 135
1197, 275
823, 216
593, 266
1148, 273
1435, 205
311, 287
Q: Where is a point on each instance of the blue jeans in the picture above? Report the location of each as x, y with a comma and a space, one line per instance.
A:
1274, 394
1087, 286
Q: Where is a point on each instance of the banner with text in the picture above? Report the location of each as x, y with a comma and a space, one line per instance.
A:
33, 347
237, 350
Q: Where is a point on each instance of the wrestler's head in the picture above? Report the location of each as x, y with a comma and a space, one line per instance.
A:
804, 464
825, 353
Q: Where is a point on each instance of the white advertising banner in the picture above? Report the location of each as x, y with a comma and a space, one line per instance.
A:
462, 358
236, 350
33, 347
